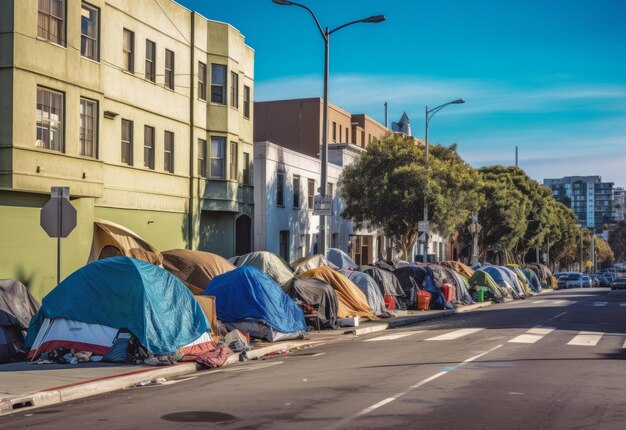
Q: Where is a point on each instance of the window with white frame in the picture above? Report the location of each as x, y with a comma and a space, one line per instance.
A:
218, 148
169, 69
234, 90
89, 31
296, 192
128, 51
232, 162
284, 244
127, 142
51, 21
247, 180
88, 128
148, 147
246, 101
168, 152
50, 119
201, 80
202, 158
218, 84
280, 189
310, 193
150, 60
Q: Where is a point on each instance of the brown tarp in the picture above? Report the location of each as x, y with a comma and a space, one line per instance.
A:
195, 268
352, 301
110, 240
459, 267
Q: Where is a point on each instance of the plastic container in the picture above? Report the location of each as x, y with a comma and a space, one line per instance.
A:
447, 290
480, 295
390, 303
423, 301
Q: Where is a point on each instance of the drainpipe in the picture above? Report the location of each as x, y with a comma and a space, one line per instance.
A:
191, 135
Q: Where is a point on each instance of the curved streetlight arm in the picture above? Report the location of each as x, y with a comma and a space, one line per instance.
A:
372, 19
291, 3
430, 113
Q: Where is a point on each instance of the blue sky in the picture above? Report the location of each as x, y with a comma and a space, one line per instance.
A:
546, 75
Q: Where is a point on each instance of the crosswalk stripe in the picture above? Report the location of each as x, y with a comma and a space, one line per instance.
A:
586, 338
540, 301
456, 334
600, 303
532, 335
624, 345
622, 304
393, 336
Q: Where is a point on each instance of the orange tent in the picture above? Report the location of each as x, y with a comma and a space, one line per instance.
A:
459, 267
352, 301
195, 268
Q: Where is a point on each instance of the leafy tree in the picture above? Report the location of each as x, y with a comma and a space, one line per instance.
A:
617, 241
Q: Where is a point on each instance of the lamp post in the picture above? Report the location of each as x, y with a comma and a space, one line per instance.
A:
324, 152
429, 114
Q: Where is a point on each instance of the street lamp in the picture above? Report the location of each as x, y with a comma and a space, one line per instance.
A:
374, 19
429, 114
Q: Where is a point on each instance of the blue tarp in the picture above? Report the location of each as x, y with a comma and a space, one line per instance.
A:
122, 292
247, 293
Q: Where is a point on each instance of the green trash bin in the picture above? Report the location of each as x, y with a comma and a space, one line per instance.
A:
480, 295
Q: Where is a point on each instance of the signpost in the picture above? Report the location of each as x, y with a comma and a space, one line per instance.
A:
474, 228
58, 219
323, 205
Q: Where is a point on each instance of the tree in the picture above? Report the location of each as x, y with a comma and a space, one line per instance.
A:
617, 241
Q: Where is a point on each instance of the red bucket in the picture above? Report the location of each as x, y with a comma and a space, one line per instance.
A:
447, 291
423, 300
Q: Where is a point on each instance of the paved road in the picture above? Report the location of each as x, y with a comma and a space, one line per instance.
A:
556, 361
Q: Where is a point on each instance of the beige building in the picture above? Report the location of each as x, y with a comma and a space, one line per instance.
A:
142, 108
297, 124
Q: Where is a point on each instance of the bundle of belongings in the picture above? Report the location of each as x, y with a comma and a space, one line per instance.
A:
17, 307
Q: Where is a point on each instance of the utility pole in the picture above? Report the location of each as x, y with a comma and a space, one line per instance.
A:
592, 252
581, 250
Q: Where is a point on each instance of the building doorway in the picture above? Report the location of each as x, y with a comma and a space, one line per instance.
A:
243, 235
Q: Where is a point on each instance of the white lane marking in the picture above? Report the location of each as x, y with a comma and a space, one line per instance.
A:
559, 315
622, 304
600, 303
624, 347
411, 388
541, 330
586, 338
532, 335
318, 354
539, 301
393, 336
456, 334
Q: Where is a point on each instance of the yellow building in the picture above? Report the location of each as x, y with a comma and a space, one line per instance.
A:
142, 108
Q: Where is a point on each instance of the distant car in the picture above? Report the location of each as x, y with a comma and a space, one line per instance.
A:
561, 282
619, 283
602, 280
586, 282
573, 280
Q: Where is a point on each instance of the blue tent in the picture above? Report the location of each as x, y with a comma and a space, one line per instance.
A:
122, 292
247, 294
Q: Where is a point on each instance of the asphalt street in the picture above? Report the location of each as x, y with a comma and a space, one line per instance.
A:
555, 361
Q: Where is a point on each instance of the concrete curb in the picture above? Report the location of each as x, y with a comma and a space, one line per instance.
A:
79, 390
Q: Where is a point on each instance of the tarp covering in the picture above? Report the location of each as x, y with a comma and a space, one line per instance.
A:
387, 281
385, 265
123, 292
483, 279
352, 301
195, 268
305, 264
520, 277
459, 267
269, 263
16, 300
416, 278
462, 293
369, 287
503, 280
246, 294
111, 240
533, 280
319, 295
543, 273
341, 259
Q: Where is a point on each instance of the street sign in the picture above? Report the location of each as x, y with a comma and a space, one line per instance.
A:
58, 216
323, 205
423, 226
474, 228
422, 237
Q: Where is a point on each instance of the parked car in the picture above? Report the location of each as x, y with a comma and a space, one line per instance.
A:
602, 280
585, 281
573, 280
561, 282
619, 283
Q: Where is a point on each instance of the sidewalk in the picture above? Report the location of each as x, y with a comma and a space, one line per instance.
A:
25, 386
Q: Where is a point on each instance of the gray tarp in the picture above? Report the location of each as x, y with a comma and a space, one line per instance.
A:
269, 263
387, 282
369, 287
17, 307
319, 295
305, 264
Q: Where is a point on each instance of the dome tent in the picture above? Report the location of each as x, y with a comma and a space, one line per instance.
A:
341, 259
119, 293
368, 286
269, 263
195, 268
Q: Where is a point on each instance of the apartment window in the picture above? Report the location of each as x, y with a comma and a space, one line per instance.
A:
233, 161
246, 101
334, 130
50, 120
150, 60
128, 51
218, 147
296, 192
168, 152
284, 244
51, 21
202, 158
148, 147
234, 90
218, 84
127, 142
310, 193
201, 81
88, 128
246, 169
340, 133
347, 135
169, 69
89, 31
280, 190
363, 139
334, 241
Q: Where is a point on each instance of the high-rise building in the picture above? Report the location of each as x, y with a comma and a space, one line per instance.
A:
589, 198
